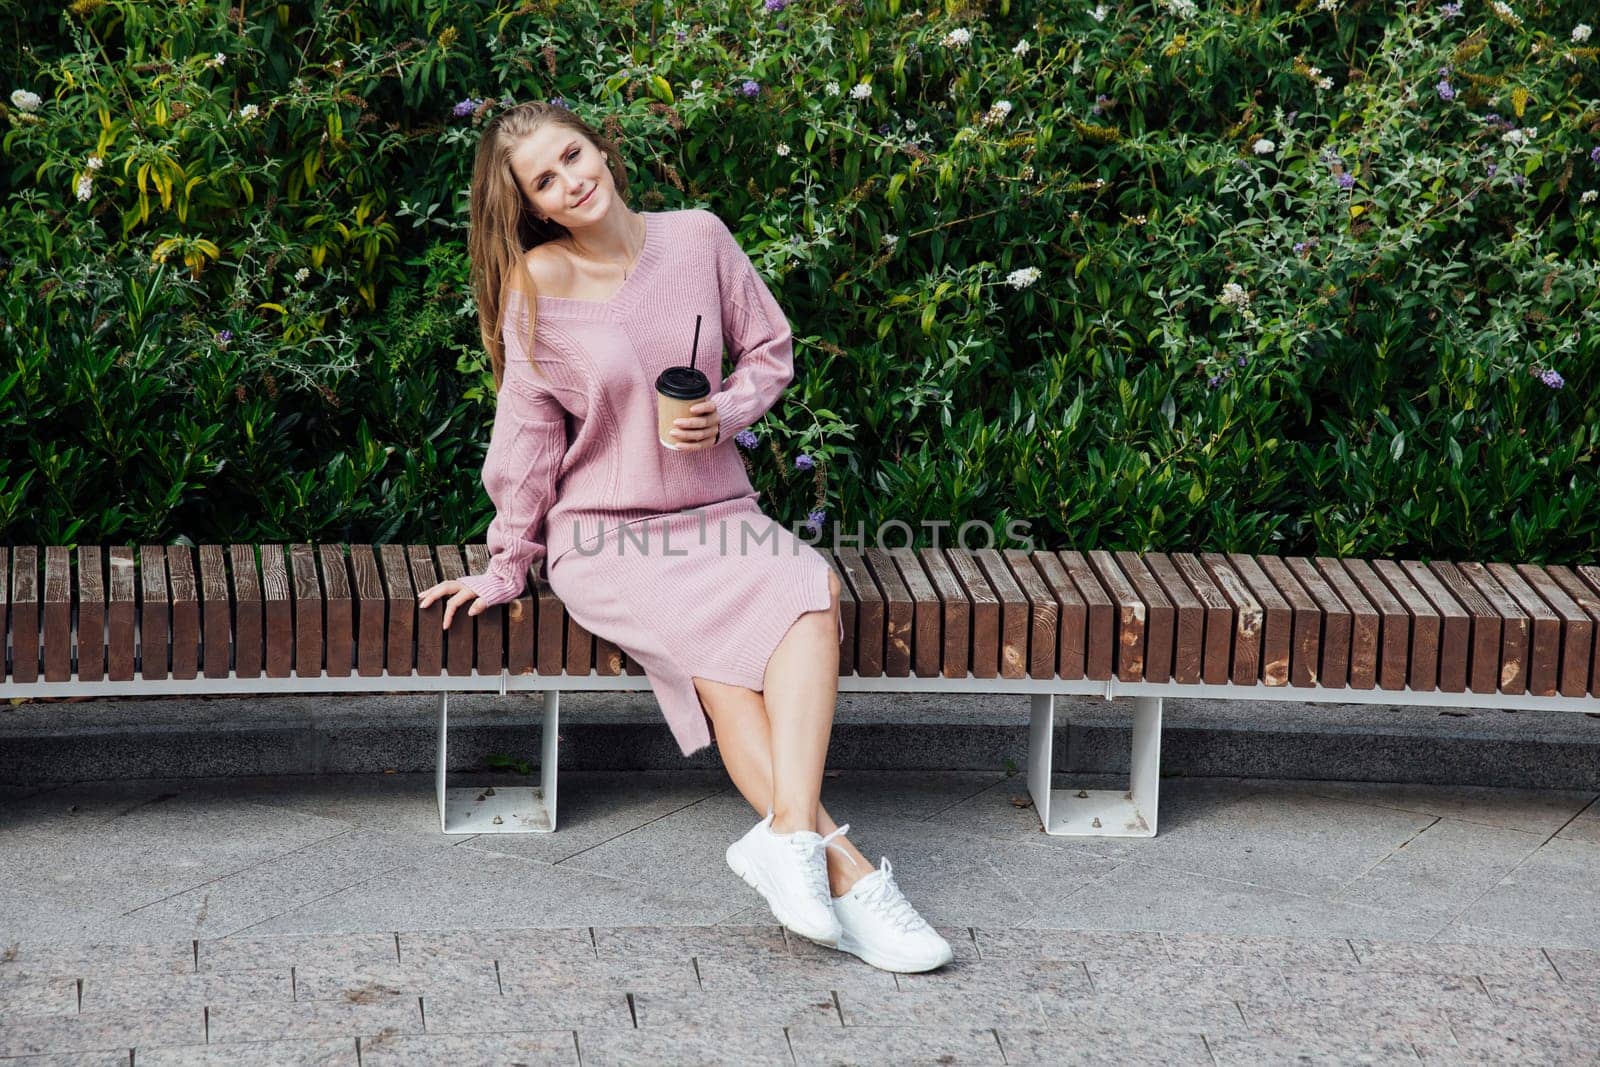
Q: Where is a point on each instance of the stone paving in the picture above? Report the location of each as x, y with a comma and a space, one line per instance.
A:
327, 921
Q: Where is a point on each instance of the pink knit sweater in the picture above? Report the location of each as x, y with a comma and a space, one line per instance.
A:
574, 451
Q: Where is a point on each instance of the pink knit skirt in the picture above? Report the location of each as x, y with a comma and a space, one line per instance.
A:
707, 593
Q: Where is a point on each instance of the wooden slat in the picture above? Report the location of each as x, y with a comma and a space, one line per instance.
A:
1337, 623
458, 650
985, 652
249, 647
307, 587
957, 660
1189, 627
1455, 632
871, 612
155, 614
521, 626
1515, 630
1395, 631
1588, 600
1365, 622
607, 657
1277, 626
57, 613
1483, 648
121, 604
490, 625
1217, 653
5, 612
1544, 653
1130, 610
579, 660
1072, 615
25, 632
1247, 624
899, 612
1044, 612
1100, 634
1577, 628
1013, 650
277, 597
91, 612
550, 643
406, 618
338, 620
371, 616
185, 612
1160, 621
1305, 644
216, 613
430, 620
926, 609
847, 616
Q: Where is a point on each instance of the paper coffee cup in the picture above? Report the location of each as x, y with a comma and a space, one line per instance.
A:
677, 390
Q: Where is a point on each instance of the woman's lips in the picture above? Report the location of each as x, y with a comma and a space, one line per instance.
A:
586, 197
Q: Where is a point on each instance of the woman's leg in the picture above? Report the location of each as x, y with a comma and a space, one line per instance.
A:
744, 741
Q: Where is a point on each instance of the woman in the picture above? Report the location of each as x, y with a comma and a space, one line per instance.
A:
582, 302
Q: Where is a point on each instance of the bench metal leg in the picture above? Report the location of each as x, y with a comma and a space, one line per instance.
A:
1097, 812
500, 809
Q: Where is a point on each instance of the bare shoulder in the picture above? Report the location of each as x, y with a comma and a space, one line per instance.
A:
547, 264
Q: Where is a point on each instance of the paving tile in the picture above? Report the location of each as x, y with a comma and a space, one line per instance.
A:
75, 959
1320, 1048
23, 994
552, 1009
1363, 986
427, 946
837, 971
1442, 870
937, 1007
1523, 1047
765, 939
249, 953
1540, 811
1552, 899
130, 992
537, 1048
1241, 951
108, 1058
773, 1007
372, 982
1003, 978
33, 1035
1345, 1017
1585, 826
904, 1046
704, 1045
639, 974
273, 1021
1450, 958
1084, 945
1577, 966
1200, 1011
1139, 979
1579, 1016
317, 1052
1101, 1046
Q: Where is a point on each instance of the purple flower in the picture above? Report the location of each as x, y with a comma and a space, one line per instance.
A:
750, 88
1300, 248
1450, 11
1214, 381
1594, 154
557, 101
225, 336
1244, 361
746, 438
815, 519
1493, 168
681, 36
1518, 180
1552, 379
1347, 181
465, 108
804, 462
1445, 91
1100, 103
774, 6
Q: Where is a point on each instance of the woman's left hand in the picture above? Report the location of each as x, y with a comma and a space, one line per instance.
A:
699, 432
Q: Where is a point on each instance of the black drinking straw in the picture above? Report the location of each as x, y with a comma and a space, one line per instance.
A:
696, 350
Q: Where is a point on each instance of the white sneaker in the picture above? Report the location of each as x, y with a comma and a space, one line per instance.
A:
879, 925
791, 871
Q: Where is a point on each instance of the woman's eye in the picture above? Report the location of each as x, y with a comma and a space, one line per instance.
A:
570, 155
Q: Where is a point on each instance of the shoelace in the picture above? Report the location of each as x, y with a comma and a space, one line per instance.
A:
886, 899
816, 874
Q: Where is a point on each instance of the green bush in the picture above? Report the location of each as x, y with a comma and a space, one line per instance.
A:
1269, 277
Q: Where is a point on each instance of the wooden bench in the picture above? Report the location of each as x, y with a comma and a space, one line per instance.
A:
1142, 626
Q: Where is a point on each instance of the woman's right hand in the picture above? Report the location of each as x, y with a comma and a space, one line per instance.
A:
459, 594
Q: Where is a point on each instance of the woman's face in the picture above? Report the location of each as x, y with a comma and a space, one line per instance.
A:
556, 168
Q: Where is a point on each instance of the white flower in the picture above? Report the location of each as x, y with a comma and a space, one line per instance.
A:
1184, 9
997, 112
782, 149
694, 86
957, 37
94, 163
248, 112
1263, 147
85, 187
1022, 278
861, 91
1099, 13
832, 88
1235, 296
25, 100
1520, 137
1503, 9
217, 60
889, 240
302, 274
1027, 173
1580, 32
1327, 5
1021, 48
1325, 83
1588, 196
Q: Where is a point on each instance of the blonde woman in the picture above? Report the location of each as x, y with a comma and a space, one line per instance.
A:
582, 303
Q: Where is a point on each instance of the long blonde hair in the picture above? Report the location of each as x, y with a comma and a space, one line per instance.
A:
502, 226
